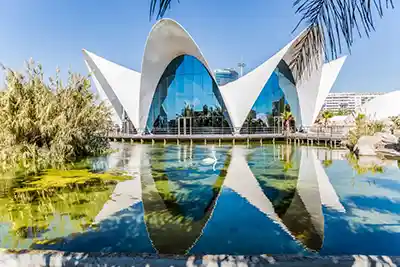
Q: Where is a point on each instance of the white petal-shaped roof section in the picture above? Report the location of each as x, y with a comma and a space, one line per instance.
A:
240, 95
121, 85
330, 71
166, 41
313, 90
382, 107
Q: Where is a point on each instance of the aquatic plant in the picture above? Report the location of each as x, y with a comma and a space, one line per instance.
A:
49, 124
327, 163
353, 161
51, 216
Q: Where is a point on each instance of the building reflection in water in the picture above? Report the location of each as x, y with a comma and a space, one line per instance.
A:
254, 201
182, 199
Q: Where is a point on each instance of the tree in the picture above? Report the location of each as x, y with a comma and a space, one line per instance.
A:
343, 112
49, 124
286, 118
326, 115
330, 26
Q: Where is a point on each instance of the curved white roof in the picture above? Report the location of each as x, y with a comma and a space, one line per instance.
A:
168, 40
382, 107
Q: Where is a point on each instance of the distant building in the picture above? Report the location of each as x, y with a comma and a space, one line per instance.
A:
224, 76
347, 101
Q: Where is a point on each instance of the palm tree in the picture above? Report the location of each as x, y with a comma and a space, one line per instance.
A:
286, 118
330, 25
326, 115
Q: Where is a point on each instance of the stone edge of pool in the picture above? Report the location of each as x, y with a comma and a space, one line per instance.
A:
66, 259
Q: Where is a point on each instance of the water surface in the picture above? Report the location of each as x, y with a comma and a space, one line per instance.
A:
271, 199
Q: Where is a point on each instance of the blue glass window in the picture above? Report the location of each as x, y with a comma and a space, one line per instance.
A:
187, 100
272, 102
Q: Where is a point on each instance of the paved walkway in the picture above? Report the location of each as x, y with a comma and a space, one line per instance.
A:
58, 259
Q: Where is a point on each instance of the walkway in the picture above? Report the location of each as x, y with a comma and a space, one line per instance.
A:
309, 138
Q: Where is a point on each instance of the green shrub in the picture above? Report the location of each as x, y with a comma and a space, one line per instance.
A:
49, 124
363, 127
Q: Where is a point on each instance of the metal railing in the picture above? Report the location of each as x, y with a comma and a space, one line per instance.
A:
308, 131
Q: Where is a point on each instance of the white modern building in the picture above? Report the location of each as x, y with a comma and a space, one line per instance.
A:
347, 101
176, 91
382, 107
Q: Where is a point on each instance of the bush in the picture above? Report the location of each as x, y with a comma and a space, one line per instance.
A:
363, 127
44, 125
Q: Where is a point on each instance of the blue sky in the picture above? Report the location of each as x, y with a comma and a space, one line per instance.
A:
54, 32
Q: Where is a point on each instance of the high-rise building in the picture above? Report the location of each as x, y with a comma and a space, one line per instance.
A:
224, 76
347, 101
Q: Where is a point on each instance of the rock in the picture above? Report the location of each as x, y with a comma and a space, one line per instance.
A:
387, 138
366, 145
389, 153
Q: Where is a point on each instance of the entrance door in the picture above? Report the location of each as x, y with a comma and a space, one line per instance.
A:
184, 125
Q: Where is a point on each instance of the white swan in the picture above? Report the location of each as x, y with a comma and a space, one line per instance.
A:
209, 160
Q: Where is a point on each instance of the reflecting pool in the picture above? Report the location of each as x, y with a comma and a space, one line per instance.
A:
271, 199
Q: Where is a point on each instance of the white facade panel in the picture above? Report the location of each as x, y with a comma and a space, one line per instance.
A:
330, 71
120, 84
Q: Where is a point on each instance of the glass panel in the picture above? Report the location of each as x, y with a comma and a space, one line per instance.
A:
187, 90
265, 114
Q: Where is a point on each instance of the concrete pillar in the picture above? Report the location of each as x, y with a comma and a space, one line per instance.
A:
261, 142
177, 141
165, 142
326, 142
152, 142
273, 140
248, 142
219, 142
141, 141
233, 141
205, 141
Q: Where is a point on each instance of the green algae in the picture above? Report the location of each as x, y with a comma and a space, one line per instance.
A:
52, 178
53, 203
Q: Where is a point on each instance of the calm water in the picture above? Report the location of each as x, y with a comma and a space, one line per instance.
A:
209, 200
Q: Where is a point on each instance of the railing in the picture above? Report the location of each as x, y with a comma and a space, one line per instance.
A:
304, 132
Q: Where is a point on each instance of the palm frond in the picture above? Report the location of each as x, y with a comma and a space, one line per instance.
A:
159, 7
331, 26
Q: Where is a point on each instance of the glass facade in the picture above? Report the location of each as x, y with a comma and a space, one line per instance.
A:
187, 101
265, 115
